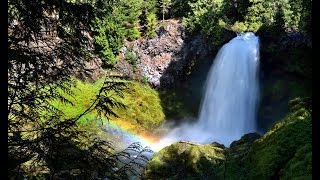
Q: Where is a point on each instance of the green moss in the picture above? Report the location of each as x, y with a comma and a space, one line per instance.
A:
273, 153
143, 106
143, 103
300, 166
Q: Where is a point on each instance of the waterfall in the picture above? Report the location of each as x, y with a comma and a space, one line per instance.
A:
228, 110
229, 105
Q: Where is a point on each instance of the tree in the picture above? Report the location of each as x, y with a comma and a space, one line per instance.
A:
181, 8
305, 24
148, 7
114, 22
109, 35
48, 42
151, 25
132, 10
235, 10
206, 17
165, 7
108, 30
263, 13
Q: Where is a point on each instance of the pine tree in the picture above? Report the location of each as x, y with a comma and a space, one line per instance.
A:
151, 25
132, 10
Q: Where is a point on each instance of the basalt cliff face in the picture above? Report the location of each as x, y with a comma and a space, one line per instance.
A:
167, 57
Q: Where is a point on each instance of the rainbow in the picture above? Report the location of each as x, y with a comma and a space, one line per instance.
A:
134, 133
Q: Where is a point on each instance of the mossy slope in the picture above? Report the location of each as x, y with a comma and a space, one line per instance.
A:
143, 105
285, 150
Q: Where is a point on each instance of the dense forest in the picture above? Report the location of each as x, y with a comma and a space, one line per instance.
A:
77, 68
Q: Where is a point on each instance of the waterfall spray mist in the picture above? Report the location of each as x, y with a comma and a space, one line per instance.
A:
229, 105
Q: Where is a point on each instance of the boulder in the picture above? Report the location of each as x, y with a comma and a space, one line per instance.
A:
186, 160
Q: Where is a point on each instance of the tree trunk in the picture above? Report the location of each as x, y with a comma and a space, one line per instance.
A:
162, 14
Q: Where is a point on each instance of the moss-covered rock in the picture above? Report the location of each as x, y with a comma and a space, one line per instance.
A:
195, 161
186, 160
143, 106
244, 143
285, 150
233, 166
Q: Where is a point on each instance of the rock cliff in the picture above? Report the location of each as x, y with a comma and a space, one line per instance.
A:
165, 58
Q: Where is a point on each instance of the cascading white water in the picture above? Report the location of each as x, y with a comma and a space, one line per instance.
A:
228, 108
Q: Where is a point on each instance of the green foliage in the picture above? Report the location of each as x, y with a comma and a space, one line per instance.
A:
205, 17
83, 94
109, 33
259, 13
285, 14
239, 27
38, 66
143, 106
133, 33
142, 103
234, 11
234, 164
40, 130
148, 7
144, 79
180, 8
174, 105
119, 20
280, 148
300, 165
278, 26
131, 56
151, 25
211, 16
305, 23
132, 10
